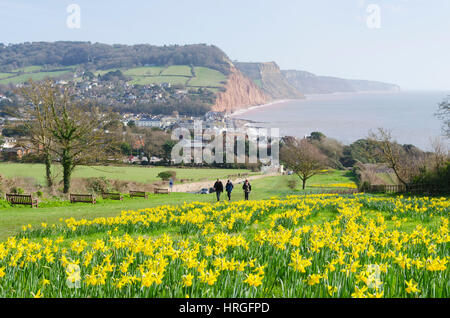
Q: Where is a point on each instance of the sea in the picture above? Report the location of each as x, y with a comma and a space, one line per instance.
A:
347, 117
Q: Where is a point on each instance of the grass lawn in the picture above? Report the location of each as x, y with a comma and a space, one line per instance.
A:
180, 70
284, 241
11, 219
145, 80
175, 75
207, 77
5, 75
127, 173
29, 69
144, 71
34, 76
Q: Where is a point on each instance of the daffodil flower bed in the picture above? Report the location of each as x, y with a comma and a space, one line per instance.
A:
269, 248
351, 185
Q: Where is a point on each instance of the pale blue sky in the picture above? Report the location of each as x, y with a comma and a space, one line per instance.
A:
326, 37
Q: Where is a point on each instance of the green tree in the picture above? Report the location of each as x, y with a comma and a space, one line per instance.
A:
125, 148
317, 135
167, 147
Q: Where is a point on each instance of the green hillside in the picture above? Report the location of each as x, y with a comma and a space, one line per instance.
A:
185, 75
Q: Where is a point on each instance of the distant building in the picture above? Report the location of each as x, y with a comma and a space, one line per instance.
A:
9, 143
215, 116
149, 123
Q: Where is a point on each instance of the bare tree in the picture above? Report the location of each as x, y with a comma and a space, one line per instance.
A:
80, 135
71, 131
440, 153
39, 98
302, 157
406, 163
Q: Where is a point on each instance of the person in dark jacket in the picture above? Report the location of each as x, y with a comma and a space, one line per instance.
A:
247, 189
229, 187
218, 188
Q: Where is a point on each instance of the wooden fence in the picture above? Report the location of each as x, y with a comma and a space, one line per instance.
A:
386, 188
423, 189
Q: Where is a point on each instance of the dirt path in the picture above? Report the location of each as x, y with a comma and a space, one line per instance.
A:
197, 186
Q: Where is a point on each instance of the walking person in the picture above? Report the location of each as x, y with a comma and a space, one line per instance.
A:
247, 187
229, 187
171, 184
218, 187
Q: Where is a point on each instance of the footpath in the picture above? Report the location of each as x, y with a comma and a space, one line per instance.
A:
197, 186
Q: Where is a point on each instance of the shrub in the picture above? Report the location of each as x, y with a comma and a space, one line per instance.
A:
17, 190
4, 204
98, 185
292, 183
166, 175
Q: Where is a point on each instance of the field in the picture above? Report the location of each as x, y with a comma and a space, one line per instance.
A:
135, 173
35, 76
297, 246
206, 77
4, 75
12, 218
175, 75
173, 80
144, 71
282, 243
177, 70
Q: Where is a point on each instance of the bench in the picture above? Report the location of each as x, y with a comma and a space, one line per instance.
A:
138, 194
161, 191
25, 199
112, 196
84, 198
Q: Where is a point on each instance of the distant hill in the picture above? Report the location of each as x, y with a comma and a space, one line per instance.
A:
309, 83
105, 56
269, 78
192, 78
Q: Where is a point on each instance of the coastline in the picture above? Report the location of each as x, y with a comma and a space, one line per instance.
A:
244, 110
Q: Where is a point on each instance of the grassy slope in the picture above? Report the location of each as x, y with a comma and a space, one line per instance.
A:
146, 80
178, 70
35, 76
175, 75
127, 173
144, 71
5, 75
12, 219
207, 77
27, 69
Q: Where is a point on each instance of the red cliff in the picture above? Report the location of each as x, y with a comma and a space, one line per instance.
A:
241, 92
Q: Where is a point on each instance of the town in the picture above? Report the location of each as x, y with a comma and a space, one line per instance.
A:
109, 91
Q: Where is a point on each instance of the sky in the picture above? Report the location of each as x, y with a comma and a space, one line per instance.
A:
406, 42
